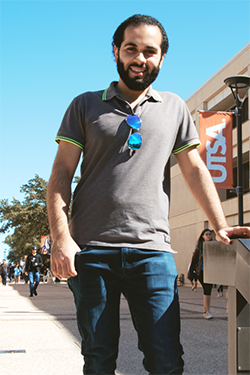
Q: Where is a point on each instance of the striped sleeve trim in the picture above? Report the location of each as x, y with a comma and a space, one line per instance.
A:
59, 138
190, 144
104, 95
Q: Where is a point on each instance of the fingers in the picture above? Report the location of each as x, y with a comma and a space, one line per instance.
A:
239, 232
242, 231
63, 268
63, 258
227, 234
221, 236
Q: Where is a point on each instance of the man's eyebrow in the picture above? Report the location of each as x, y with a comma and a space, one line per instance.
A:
130, 44
135, 45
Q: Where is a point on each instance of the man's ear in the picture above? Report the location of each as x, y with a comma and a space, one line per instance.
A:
162, 58
116, 52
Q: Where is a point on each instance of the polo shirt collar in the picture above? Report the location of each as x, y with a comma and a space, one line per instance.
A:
110, 92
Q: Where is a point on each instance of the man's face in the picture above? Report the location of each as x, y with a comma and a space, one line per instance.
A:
139, 56
33, 251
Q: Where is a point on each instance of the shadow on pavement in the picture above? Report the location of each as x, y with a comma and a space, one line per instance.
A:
204, 342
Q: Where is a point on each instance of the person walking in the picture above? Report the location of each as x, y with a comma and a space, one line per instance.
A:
11, 272
32, 268
192, 277
197, 268
4, 272
17, 273
219, 290
118, 238
25, 274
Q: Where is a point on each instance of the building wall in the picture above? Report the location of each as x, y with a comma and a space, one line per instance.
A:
186, 219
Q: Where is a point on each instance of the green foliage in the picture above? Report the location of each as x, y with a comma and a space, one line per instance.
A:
27, 220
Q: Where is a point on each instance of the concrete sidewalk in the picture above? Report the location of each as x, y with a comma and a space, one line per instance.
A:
39, 335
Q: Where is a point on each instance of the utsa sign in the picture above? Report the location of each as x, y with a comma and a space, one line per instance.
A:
45, 244
216, 146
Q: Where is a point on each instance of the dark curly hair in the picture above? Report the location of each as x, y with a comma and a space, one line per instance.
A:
201, 239
136, 20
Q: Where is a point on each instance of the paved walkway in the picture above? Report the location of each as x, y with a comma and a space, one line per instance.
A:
39, 335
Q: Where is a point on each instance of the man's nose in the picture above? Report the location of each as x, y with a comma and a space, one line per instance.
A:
140, 57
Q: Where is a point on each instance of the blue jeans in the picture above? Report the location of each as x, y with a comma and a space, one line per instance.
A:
147, 279
4, 278
34, 278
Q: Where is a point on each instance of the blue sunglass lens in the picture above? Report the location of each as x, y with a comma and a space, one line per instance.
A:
134, 141
134, 121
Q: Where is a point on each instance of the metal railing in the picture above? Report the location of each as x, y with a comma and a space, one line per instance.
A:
230, 265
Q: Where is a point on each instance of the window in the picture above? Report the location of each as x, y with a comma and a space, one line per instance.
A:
245, 180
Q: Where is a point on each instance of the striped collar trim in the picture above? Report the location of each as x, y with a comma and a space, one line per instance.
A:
110, 92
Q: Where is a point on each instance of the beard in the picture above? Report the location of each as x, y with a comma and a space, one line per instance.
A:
136, 84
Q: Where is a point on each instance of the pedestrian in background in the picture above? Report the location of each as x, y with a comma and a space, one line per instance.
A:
17, 273
192, 277
220, 290
4, 272
11, 271
24, 273
32, 269
197, 268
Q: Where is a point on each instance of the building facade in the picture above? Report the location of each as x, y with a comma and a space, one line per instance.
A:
186, 218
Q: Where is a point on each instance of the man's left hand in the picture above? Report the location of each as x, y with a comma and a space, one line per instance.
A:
227, 234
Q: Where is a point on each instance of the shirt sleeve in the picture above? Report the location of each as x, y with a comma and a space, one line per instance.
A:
187, 135
72, 126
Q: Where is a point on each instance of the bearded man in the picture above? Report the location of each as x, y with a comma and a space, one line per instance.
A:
118, 239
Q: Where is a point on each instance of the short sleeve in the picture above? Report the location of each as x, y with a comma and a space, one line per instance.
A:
72, 126
187, 135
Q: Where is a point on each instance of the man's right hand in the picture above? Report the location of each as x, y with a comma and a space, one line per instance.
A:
64, 247
63, 258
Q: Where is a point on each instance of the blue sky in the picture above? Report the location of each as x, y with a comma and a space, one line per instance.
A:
51, 51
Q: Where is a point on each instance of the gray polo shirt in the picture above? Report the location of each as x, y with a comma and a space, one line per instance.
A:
122, 199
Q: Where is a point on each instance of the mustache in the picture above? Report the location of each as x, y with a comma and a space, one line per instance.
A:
138, 65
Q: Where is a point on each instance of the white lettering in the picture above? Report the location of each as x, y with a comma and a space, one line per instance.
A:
216, 133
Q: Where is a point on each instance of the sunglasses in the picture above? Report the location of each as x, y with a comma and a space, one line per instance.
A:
135, 139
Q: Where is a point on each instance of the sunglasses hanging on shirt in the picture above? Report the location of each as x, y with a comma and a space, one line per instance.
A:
135, 139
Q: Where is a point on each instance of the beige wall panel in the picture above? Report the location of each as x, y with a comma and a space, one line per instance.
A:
246, 202
180, 221
175, 171
232, 220
182, 200
219, 97
183, 240
237, 65
246, 130
230, 206
245, 133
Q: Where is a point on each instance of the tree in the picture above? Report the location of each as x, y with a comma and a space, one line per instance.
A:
28, 219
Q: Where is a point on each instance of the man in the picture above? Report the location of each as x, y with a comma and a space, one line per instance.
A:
118, 238
32, 268
4, 272
11, 272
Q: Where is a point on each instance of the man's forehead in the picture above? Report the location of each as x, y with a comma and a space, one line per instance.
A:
147, 34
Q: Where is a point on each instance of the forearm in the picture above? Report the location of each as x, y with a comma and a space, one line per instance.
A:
40, 262
58, 200
203, 189
64, 247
